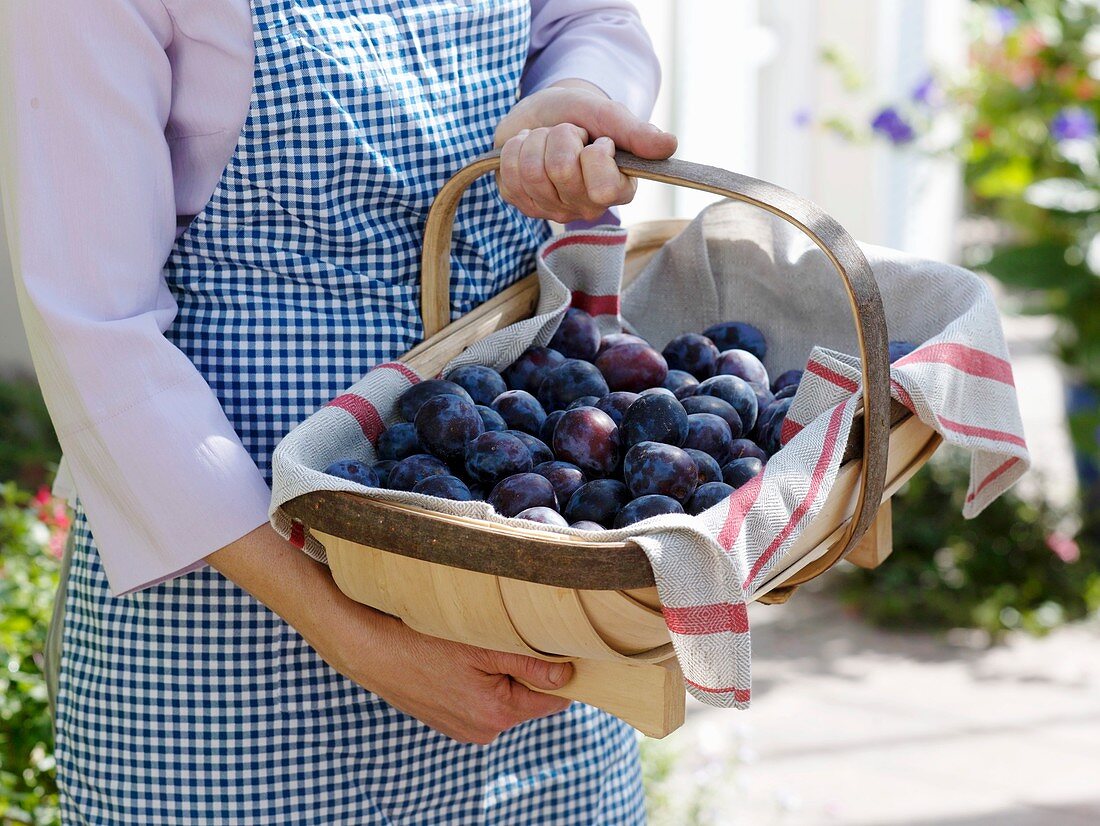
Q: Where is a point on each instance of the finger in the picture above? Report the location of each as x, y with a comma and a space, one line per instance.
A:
528, 705
562, 162
629, 132
532, 169
539, 673
605, 184
508, 178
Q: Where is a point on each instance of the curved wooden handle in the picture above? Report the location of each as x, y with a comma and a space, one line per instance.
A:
839, 247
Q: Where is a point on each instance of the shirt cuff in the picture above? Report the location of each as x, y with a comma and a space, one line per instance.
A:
634, 86
164, 483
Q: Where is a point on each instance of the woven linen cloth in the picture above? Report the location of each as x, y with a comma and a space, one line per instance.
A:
733, 262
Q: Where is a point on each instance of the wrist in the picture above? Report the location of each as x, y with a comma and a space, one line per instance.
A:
579, 83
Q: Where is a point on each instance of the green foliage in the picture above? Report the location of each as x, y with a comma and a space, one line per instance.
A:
1010, 568
29, 451
30, 531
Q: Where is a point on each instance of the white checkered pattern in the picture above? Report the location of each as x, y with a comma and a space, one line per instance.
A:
191, 703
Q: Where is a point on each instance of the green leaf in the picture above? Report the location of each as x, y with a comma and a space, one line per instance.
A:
1039, 266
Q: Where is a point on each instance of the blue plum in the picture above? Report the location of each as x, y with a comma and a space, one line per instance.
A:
746, 449
565, 477
597, 501
588, 438
482, 383
655, 467
398, 441
692, 353
786, 379
681, 383
739, 471
709, 469
354, 471
491, 419
615, 405
655, 417
632, 367
744, 364
710, 434
409, 402
520, 411
445, 487
646, 506
730, 335
445, 425
786, 392
737, 393
900, 349
492, 456
411, 470
577, 336
516, 494
712, 404
546, 432
771, 426
383, 469
544, 516
707, 496
537, 447
567, 382
615, 339
584, 401
527, 372
585, 525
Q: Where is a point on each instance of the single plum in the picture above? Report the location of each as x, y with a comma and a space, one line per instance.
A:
738, 335
515, 494
520, 411
772, 426
656, 417
544, 516
355, 471
409, 402
577, 336
588, 438
745, 365
584, 401
546, 432
482, 383
739, 471
655, 467
736, 392
538, 449
786, 379
398, 441
411, 470
569, 381
632, 367
597, 501
681, 383
900, 349
692, 353
712, 404
786, 392
615, 339
585, 525
492, 456
445, 425
707, 496
491, 419
527, 372
565, 477
746, 449
709, 469
646, 506
383, 469
710, 434
445, 487
615, 405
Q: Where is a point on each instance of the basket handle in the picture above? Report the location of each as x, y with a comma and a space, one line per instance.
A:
839, 247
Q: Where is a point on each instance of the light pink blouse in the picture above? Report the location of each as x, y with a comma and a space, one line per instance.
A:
117, 118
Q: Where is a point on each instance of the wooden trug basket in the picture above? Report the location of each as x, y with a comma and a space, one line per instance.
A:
557, 597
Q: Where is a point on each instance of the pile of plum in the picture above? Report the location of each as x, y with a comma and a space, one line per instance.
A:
593, 432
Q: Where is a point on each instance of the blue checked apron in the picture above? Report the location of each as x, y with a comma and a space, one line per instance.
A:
189, 702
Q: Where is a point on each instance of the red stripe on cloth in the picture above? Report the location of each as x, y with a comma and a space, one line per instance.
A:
400, 368
707, 619
297, 534
827, 451
364, 413
981, 432
595, 304
598, 240
992, 477
967, 359
741, 503
903, 395
843, 382
789, 430
741, 695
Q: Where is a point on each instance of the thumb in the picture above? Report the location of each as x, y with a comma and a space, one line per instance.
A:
606, 118
538, 673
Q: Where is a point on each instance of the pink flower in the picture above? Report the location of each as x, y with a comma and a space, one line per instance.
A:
1064, 547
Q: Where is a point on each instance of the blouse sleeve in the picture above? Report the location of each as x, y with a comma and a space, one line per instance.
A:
86, 179
601, 41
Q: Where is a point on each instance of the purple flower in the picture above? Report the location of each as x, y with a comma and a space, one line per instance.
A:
927, 91
1005, 19
1073, 123
802, 118
889, 123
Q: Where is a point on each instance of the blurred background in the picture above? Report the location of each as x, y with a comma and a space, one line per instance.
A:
959, 683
